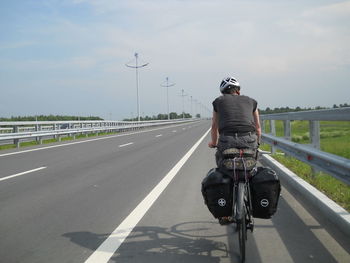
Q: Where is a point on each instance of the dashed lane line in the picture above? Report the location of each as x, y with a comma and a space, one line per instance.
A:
23, 173
126, 144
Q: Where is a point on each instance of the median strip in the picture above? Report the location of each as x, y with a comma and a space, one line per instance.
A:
84, 141
23, 173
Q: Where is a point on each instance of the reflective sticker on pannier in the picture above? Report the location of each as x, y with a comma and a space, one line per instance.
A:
221, 202
264, 202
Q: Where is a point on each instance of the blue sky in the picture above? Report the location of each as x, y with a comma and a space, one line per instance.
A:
68, 56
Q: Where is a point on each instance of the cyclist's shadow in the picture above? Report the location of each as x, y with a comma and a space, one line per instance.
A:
150, 243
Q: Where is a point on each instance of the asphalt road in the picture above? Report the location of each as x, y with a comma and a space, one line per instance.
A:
72, 201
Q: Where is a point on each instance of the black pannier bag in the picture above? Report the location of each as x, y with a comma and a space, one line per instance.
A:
265, 189
217, 193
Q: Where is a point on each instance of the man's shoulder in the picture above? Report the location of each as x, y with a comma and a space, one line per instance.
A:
247, 98
219, 98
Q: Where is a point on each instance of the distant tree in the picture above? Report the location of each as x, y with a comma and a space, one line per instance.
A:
173, 115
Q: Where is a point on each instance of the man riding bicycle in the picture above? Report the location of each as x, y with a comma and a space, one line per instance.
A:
235, 116
235, 122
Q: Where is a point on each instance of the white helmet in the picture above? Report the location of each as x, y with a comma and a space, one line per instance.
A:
228, 83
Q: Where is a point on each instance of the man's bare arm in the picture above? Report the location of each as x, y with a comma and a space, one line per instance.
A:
214, 131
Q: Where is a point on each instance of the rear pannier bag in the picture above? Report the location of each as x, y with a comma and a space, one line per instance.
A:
265, 190
217, 193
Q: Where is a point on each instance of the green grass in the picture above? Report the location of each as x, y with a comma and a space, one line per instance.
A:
334, 135
335, 139
330, 186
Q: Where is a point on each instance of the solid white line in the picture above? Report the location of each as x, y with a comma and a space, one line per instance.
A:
159, 135
174, 130
19, 174
123, 145
97, 139
106, 250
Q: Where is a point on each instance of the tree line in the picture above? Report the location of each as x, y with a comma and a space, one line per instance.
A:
160, 116
268, 110
173, 115
51, 118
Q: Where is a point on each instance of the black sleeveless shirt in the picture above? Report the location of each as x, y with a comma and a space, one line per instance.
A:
235, 113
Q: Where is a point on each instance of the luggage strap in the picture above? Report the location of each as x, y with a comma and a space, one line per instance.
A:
239, 152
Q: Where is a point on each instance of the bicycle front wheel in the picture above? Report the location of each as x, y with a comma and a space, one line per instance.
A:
241, 220
242, 237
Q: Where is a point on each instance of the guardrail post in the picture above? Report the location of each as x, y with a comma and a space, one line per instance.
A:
38, 139
16, 141
314, 139
315, 134
287, 130
54, 128
262, 123
273, 132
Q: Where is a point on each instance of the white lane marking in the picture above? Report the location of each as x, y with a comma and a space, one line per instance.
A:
106, 250
123, 145
19, 174
184, 128
174, 130
159, 135
97, 139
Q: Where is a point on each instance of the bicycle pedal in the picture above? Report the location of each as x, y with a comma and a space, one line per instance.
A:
251, 227
226, 220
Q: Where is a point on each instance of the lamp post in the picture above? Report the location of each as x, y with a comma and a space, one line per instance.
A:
183, 95
167, 85
137, 66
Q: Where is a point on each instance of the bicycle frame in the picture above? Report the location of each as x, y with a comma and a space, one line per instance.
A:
242, 207
241, 194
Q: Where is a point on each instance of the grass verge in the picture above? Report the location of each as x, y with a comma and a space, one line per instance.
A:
336, 190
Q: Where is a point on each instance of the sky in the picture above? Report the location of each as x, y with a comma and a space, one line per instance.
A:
67, 57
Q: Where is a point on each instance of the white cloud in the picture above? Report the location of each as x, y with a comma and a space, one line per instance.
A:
195, 43
332, 10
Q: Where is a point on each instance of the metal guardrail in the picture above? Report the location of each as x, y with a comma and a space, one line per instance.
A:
17, 131
334, 165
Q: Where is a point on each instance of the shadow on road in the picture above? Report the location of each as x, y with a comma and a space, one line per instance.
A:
185, 242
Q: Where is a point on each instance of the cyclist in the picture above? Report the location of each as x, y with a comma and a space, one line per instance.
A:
235, 122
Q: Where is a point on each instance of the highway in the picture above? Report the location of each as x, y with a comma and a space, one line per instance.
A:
135, 197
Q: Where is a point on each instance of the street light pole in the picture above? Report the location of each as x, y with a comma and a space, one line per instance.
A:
183, 95
167, 85
137, 82
191, 108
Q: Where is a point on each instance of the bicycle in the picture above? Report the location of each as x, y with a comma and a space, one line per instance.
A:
242, 201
